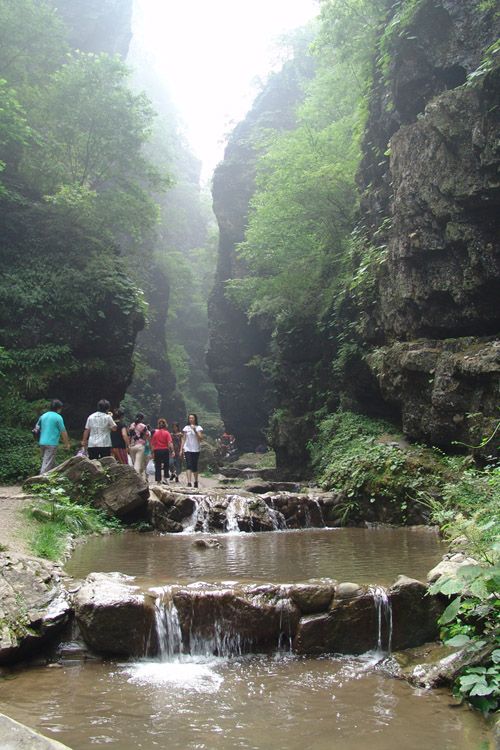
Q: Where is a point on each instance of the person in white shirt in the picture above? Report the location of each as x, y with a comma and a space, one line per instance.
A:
97, 433
192, 435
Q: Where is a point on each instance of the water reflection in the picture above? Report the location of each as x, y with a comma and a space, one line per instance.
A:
362, 555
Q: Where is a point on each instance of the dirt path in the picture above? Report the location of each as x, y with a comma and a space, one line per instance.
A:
13, 524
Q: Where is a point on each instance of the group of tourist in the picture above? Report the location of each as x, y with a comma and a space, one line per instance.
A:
106, 433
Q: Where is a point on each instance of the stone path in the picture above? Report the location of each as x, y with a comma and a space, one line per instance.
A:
13, 524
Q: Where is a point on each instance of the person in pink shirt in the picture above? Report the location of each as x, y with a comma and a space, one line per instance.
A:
163, 448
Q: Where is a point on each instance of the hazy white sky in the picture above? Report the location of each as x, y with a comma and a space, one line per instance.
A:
211, 52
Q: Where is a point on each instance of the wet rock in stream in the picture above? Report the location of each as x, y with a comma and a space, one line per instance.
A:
33, 605
313, 617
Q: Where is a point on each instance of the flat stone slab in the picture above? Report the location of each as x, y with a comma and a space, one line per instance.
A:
16, 736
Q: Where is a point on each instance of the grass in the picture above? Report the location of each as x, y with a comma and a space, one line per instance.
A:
55, 519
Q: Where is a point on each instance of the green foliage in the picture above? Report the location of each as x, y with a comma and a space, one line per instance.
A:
77, 212
20, 455
472, 621
365, 460
58, 518
469, 508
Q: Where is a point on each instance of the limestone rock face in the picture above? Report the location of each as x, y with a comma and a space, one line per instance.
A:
98, 25
437, 313
114, 616
437, 384
33, 605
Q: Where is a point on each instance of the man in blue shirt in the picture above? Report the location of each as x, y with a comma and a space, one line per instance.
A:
52, 429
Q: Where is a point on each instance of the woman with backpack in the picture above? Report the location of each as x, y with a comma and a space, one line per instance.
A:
138, 434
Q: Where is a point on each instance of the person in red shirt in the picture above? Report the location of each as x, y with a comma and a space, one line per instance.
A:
162, 447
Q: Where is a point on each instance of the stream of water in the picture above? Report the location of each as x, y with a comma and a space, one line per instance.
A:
195, 701
361, 555
255, 702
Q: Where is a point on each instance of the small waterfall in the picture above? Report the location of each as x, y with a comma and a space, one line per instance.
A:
199, 519
168, 628
221, 643
277, 519
384, 617
237, 507
320, 511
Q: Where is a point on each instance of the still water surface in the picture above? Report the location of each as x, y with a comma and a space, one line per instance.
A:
359, 555
257, 703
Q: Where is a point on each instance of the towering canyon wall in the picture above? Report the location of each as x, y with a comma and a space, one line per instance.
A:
437, 313
426, 352
245, 398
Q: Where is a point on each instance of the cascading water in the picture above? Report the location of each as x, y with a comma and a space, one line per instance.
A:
199, 519
384, 617
168, 628
237, 507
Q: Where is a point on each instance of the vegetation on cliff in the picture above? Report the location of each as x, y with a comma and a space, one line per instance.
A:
76, 208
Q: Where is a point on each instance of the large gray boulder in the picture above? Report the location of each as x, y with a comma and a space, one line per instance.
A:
414, 613
33, 605
114, 617
125, 492
115, 488
450, 565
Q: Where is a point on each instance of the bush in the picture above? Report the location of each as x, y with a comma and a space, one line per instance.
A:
375, 469
20, 455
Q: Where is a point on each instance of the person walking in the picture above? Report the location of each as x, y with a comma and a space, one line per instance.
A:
191, 443
162, 446
119, 438
51, 429
177, 457
138, 435
96, 437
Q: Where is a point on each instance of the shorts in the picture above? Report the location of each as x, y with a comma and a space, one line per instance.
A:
192, 458
99, 452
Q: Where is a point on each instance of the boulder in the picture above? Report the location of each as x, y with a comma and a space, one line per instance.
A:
449, 566
114, 617
78, 470
161, 517
33, 605
115, 488
350, 627
444, 671
125, 493
414, 613
16, 736
312, 597
348, 590
234, 619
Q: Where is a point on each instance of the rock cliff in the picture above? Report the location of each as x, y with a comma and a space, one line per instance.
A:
437, 311
245, 400
425, 353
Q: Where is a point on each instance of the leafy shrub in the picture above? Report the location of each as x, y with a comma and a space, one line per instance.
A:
472, 620
366, 460
20, 455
